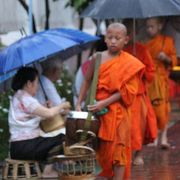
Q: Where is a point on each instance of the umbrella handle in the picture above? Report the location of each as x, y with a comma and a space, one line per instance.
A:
44, 92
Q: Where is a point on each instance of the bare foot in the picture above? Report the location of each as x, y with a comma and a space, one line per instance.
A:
138, 161
164, 142
154, 144
165, 146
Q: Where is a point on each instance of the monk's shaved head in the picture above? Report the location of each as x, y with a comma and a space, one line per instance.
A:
154, 26
119, 26
116, 37
158, 20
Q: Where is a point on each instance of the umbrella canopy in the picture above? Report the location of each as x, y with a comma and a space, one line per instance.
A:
7, 76
40, 46
110, 9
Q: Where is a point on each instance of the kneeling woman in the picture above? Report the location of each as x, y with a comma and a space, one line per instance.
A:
24, 119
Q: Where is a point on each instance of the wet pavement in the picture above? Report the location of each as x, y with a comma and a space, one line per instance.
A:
162, 164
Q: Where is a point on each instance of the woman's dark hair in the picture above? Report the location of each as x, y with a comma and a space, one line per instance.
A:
22, 76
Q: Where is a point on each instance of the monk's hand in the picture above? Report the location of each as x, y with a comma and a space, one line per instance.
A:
98, 106
164, 58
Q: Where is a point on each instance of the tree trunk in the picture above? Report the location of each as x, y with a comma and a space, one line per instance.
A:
47, 14
79, 58
26, 7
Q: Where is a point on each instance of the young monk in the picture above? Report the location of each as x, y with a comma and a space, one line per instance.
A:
163, 52
118, 80
144, 126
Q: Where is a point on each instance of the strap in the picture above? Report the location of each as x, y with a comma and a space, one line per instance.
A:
94, 83
87, 123
92, 93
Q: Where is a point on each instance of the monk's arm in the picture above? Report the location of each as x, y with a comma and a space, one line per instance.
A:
125, 96
83, 92
113, 98
170, 58
105, 102
86, 84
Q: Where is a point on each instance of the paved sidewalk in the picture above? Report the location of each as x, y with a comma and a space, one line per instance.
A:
162, 164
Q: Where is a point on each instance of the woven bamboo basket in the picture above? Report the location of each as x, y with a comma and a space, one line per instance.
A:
51, 124
79, 167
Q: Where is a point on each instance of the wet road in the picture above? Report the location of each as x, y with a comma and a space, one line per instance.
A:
161, 164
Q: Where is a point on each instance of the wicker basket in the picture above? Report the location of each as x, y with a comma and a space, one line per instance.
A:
51, 124
83, 177
80, 167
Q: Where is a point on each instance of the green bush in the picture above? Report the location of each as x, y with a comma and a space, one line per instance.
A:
64, 85
4, 129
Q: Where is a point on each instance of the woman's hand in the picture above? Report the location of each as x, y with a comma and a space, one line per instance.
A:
48, 104
65, 108
64, 112
65, 105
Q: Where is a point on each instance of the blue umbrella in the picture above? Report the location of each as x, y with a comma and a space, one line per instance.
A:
7, 76
110, 9
40, 46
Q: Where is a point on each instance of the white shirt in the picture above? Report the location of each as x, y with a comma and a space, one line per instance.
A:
50, 90
79, 78
22, 123
53, 96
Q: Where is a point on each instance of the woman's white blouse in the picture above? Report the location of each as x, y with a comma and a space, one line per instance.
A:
23, 124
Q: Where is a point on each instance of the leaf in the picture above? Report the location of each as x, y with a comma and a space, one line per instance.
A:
78, 5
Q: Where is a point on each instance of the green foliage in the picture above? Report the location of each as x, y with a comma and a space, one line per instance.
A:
64, 85
4, 129
1, 45
78, 5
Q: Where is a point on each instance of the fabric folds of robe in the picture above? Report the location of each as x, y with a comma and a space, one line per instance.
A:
120, 74
144, 124
158, 90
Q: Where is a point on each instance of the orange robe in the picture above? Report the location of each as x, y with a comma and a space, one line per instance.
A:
159, 89
120, 74
144, 125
